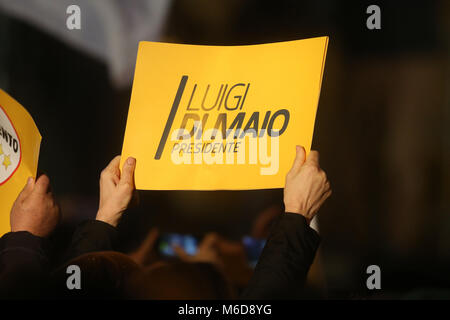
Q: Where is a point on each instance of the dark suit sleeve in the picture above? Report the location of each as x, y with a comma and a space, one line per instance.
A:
23, 265
284, 263
92, 236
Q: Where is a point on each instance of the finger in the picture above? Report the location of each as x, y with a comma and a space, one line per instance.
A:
42, 185
27, 189
313, 158
321, 201
146, 247
299, 158
127, 176
113, 166
181, 253
149, 242
324, 197
327, 194
110, 176
209, 240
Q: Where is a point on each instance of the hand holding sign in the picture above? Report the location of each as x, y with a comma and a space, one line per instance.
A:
19, 152
35, 209
307, 186
116, 190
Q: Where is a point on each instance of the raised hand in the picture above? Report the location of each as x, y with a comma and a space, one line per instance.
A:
307, 186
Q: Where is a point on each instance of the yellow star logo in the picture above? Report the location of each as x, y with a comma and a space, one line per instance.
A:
1, 149
6, 161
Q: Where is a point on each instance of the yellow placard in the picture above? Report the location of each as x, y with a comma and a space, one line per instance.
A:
20, 141
222, 117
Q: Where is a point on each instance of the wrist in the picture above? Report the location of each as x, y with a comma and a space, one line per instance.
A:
107, 218
32, 230
298, 210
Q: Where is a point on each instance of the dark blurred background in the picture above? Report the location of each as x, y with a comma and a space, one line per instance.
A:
382, 128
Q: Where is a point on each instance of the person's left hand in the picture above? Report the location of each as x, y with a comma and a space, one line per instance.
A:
116, 190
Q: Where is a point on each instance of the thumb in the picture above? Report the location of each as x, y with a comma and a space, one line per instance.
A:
127, 176
42, 185
313, 158
27, 189
299, 158
181, 253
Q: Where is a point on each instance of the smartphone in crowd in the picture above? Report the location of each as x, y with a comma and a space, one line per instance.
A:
167, 241
189, 243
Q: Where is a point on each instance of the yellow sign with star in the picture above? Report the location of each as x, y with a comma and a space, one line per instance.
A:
20, 141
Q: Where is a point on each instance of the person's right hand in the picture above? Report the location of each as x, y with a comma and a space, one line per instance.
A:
116, 190
307, 186
35, 209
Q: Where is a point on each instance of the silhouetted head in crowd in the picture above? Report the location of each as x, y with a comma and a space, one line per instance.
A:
179, 280
103, 275
113, 275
